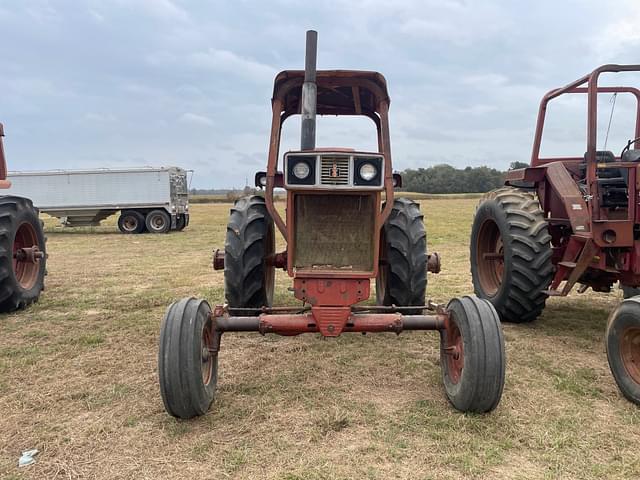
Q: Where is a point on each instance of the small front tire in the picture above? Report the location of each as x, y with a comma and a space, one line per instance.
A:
623, 347
188, 358
472, 355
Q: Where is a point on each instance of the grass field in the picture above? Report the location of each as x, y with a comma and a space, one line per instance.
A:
78, 379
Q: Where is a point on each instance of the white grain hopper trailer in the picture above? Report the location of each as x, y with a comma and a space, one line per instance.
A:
148, 199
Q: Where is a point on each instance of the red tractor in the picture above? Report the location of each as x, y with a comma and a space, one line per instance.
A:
569, 220
23, 255
339, 236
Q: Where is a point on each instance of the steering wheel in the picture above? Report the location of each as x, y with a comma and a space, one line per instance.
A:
628, 147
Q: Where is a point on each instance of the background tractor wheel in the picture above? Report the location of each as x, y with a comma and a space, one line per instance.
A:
472, 355
402, 275
23, 255
623, 347
188, 358
511, 254
628, 292
131, 221
158, 221
248, 278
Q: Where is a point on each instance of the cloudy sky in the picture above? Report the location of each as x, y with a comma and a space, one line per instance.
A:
104, 83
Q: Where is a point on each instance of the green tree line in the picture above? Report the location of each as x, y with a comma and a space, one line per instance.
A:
447, 179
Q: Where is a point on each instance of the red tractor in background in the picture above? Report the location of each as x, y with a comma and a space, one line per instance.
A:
22, 247
339, 236
563, 221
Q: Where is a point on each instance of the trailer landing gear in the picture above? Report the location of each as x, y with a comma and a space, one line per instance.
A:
472, 346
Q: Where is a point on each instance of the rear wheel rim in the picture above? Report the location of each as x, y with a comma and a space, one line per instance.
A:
490, 257
630, 352
208, 355
158, 222
25, 269
454, 351
130, 224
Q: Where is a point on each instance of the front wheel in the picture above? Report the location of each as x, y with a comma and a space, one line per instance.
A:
472, 355
623, 347
188, 358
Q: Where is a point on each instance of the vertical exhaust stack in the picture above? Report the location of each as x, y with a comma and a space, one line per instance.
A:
309, 94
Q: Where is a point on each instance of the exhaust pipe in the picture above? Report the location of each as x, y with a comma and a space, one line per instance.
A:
309, 94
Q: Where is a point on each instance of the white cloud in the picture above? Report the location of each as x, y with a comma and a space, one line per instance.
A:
226, 61
621, 35
195, 119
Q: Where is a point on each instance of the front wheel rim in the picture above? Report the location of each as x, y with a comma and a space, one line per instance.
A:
207, 346
454, 351
630, 352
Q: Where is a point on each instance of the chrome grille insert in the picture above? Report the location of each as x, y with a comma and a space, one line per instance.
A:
334, 170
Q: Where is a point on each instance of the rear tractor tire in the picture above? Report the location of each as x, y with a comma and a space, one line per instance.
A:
23, 254
248, 276
472, 355
402, 275
158, 221
623, 347
188, 358
511, 254
131, 222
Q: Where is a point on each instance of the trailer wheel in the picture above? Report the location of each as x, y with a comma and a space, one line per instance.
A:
511, 254
248, 276
472, 355
131, 221
158, 221
623, 347
23, 255
181, 222
402, 275
188, 358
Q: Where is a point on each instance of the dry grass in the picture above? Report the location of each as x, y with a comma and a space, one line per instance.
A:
78, 380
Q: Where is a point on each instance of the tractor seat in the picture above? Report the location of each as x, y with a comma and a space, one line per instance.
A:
631, 156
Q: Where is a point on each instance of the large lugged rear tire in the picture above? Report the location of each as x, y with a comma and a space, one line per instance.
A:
23, 255
623, 347
250, 240
402, 276
188, 358
511, 254
472, 355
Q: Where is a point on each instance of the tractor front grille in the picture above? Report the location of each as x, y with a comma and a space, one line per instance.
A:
334, 170
334, 231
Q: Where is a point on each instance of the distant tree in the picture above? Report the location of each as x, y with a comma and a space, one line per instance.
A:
517, 165
447, 179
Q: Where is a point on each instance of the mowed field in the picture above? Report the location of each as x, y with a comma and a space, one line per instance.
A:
78, 379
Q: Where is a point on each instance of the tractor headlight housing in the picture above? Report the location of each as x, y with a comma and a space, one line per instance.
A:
367, 171
301, 170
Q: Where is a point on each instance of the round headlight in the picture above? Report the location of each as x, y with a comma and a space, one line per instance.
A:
301, 170
367, 172
263, 181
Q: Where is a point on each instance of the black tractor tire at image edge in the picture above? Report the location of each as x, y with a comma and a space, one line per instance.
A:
19, 213
513, 217
481, 380
622, 340
402, 278
250, 239
187, 379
